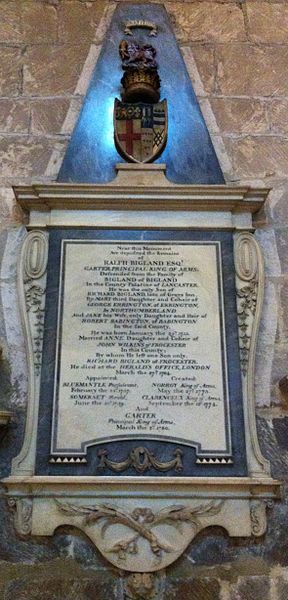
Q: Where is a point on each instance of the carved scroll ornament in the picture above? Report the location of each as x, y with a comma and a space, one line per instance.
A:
34, 262
31, 292
141, 24
257, 514
246, 263
141, 522
249, 268
22, 509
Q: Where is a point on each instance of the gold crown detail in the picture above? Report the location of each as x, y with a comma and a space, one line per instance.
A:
141, 85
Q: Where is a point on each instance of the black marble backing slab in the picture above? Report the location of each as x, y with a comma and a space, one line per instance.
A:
91, 155
119, 450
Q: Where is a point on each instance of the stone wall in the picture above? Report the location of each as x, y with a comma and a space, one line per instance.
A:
237, 56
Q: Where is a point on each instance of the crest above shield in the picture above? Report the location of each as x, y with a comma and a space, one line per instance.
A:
140, 119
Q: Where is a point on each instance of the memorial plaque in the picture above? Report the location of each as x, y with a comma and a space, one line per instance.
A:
132, 358
140, 355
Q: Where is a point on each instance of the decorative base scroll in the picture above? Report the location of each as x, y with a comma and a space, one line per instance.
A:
22, 508
141, 460
141, 524
257, 512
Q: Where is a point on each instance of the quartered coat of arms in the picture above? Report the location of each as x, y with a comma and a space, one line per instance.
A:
140, 119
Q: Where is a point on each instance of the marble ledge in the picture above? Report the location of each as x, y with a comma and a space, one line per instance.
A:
174, 487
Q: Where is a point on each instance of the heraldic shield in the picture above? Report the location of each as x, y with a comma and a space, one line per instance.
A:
140, 130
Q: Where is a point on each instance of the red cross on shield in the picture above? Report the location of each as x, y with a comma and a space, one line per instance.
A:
139, 138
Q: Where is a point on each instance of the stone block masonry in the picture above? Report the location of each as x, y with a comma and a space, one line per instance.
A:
240, 52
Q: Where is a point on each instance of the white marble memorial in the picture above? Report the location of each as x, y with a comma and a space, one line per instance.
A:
143, 513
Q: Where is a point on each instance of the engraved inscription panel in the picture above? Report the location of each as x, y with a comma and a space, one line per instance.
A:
141, 346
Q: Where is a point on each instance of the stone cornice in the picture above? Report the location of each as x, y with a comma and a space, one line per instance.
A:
43, 197
140, 187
